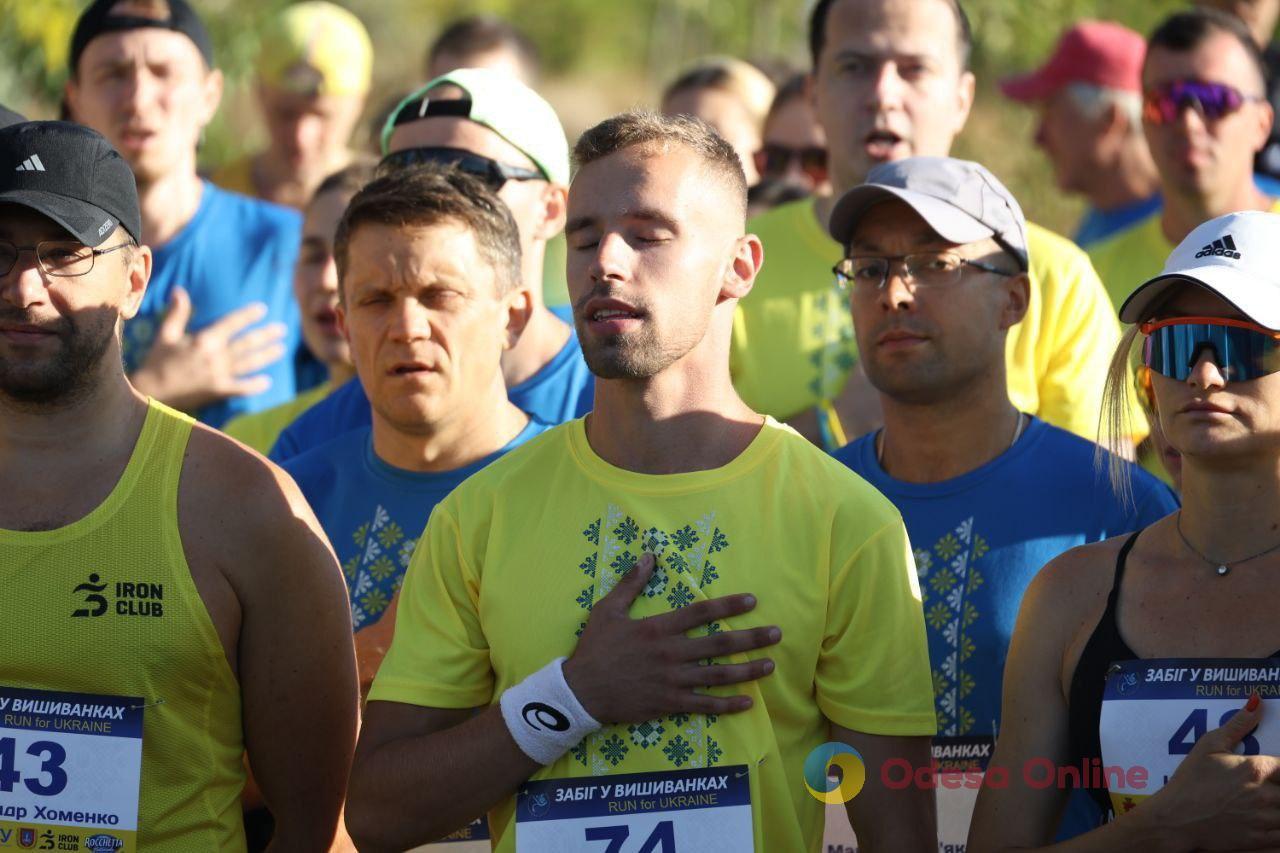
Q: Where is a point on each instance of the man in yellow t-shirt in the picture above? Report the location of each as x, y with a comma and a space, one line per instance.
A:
889, 81
672, 527
1205, 119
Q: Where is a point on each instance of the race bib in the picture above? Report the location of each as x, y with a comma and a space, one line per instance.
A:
70, 770
669, 812
1154, 711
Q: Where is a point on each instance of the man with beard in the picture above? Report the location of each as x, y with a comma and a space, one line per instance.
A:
935, 272
171, 604
720, 531
890, 81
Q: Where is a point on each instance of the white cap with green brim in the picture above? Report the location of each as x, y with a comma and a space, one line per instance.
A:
1235, 256
501, 103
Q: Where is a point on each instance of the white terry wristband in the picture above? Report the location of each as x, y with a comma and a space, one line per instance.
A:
544, 716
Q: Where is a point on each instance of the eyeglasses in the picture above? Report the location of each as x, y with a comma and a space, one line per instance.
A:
921, 269
1163, 104
63, 258
777, 160
492, 172
1241, 350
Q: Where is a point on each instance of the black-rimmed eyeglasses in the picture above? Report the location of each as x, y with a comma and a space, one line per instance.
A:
921, 269
64, 258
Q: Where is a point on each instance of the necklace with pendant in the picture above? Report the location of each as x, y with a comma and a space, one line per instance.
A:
1223, 568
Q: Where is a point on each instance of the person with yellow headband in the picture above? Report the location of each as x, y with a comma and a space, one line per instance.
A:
313, 76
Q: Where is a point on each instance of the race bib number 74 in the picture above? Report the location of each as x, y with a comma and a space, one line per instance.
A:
70, 770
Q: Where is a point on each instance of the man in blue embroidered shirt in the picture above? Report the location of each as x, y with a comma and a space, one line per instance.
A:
218, 333
494, 127
430, 299
936, 277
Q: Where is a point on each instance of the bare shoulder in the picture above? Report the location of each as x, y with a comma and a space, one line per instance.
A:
1075, 582
241, 512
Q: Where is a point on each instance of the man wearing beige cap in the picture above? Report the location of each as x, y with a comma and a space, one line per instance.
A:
313, 75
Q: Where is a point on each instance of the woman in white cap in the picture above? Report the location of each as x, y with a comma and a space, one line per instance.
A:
1138, 666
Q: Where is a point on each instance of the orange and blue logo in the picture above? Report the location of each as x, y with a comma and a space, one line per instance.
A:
820, 767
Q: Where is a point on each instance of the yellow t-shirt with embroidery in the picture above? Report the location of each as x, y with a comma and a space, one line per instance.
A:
793, 339
260, 430
513, 560
1135, 255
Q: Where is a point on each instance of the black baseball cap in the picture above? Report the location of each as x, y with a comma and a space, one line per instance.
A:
72, 175
101, 17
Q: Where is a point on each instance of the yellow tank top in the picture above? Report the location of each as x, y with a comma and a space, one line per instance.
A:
106, 607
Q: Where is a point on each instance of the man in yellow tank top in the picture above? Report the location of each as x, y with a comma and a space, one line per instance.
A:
170, 601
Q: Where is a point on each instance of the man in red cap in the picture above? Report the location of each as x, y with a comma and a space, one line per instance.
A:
1089, 95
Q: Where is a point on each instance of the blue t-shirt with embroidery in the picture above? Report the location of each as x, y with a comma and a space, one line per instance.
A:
234, 251
373, 512
980, 538
561, 391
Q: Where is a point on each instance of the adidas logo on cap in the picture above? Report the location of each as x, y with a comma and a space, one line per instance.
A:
1221, 248
31, 164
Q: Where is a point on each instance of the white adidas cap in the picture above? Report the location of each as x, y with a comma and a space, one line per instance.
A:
1237, 256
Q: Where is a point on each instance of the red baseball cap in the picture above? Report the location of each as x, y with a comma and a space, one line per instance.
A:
1101, 53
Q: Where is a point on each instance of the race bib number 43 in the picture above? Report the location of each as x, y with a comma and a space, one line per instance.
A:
70, 770
670, 812
1154, 711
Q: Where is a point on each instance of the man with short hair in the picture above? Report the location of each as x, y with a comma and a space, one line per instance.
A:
493, 126
484, 41
217, 332
1205, 118
313, 72
429, 299
889, 81
171, 602
1089, 95
722, 531
1260, 17
935, 270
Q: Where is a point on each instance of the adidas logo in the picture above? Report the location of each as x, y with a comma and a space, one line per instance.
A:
1223, 248
31, 164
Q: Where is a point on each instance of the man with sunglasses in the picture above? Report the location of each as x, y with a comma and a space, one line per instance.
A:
935, 270
1205, 118
171, 604
889, 81
493, 127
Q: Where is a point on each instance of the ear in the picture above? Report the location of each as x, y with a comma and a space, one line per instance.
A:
1266, 117
1017, 292
211, 96
965, 89
740, 274
340, 310
519, 308
554, 208
139, 274
71, 94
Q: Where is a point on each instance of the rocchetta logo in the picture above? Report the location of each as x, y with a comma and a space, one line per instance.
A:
539, 716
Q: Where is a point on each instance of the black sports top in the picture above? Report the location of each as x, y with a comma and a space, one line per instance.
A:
1088, 682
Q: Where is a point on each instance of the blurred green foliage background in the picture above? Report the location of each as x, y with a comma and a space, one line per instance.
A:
600, 58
